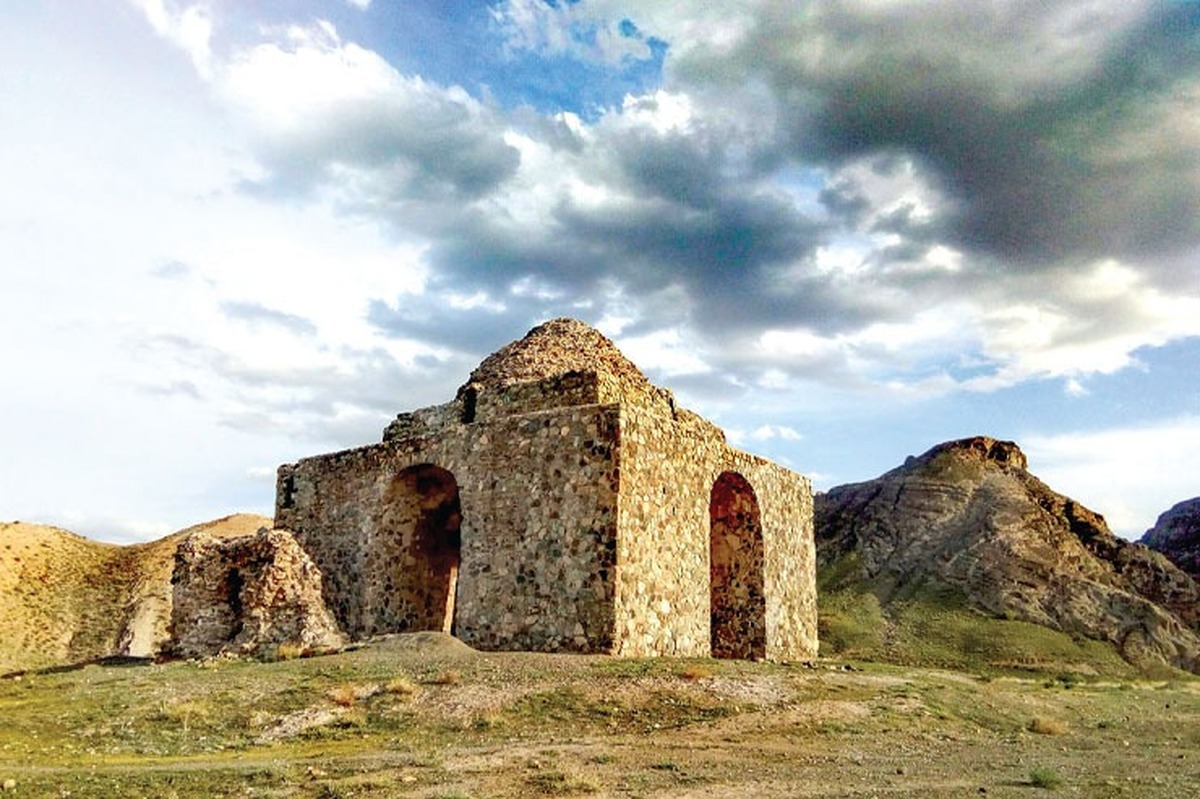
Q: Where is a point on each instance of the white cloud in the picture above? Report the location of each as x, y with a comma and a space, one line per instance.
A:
586, 31
1129, 474
767, 432
665, 352
1080, 322
286, 84
190, 29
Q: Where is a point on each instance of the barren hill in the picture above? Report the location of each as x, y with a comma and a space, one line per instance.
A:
66, 599
1176, 535
967, 522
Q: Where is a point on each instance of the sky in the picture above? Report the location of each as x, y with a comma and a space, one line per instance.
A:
234, 234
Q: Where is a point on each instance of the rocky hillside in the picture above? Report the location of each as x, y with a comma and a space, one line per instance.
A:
967, 523
67, 599
1176, 535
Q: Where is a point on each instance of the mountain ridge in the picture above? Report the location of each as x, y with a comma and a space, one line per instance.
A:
969, 515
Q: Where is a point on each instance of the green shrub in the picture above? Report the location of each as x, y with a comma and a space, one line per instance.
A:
1045, 777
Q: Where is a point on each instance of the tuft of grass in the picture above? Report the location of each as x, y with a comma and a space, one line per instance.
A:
350, 694
448, 677
554, 782
1046, 726
184, 711
695, 671
1045, 777
486, 722
401, 686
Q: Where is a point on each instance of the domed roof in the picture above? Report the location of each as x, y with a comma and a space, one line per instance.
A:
555, 348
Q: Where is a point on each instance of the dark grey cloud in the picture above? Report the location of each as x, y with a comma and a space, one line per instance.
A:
419, 144
1053, 138
1042, 138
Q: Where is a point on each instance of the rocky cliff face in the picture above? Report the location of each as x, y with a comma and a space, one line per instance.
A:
969, 514
1176, 535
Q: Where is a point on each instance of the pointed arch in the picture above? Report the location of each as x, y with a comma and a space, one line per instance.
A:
412, 576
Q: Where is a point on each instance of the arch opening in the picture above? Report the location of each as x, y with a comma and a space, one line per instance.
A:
737, 600
413, 576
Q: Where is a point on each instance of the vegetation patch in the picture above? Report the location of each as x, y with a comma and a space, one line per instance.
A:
1045, 777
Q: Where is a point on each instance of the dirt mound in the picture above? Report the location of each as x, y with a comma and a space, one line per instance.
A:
428, 643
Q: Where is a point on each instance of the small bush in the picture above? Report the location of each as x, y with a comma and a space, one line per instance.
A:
185, 711
559, 783
349, 694
1045, 777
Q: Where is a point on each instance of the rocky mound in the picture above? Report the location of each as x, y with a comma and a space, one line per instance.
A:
67, 599
969, 515
1176, 535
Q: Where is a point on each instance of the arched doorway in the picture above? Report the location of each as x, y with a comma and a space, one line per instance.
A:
413, 571
738, 607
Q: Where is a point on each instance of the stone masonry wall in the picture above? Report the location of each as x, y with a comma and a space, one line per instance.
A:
537, 494
568, 503
669, 465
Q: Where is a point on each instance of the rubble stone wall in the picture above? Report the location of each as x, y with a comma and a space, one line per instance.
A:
670, 463
537, 496
569, 505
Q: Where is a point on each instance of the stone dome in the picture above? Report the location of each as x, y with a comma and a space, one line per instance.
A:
555, 348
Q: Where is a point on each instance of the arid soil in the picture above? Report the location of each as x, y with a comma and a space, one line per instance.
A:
425, 716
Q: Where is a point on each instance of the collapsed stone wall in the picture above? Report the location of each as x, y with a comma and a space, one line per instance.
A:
536, 529
247, 595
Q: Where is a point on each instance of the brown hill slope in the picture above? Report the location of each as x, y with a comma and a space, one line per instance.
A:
66, 599
967, 519
1176, 535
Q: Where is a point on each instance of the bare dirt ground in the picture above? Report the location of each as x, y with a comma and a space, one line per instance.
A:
424, 716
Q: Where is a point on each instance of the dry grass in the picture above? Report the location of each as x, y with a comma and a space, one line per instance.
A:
185, 711
524, 724
695, 671
448, 677
351, 694
401, 686
1047, 726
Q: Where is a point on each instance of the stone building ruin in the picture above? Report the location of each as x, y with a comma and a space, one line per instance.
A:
561, 502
